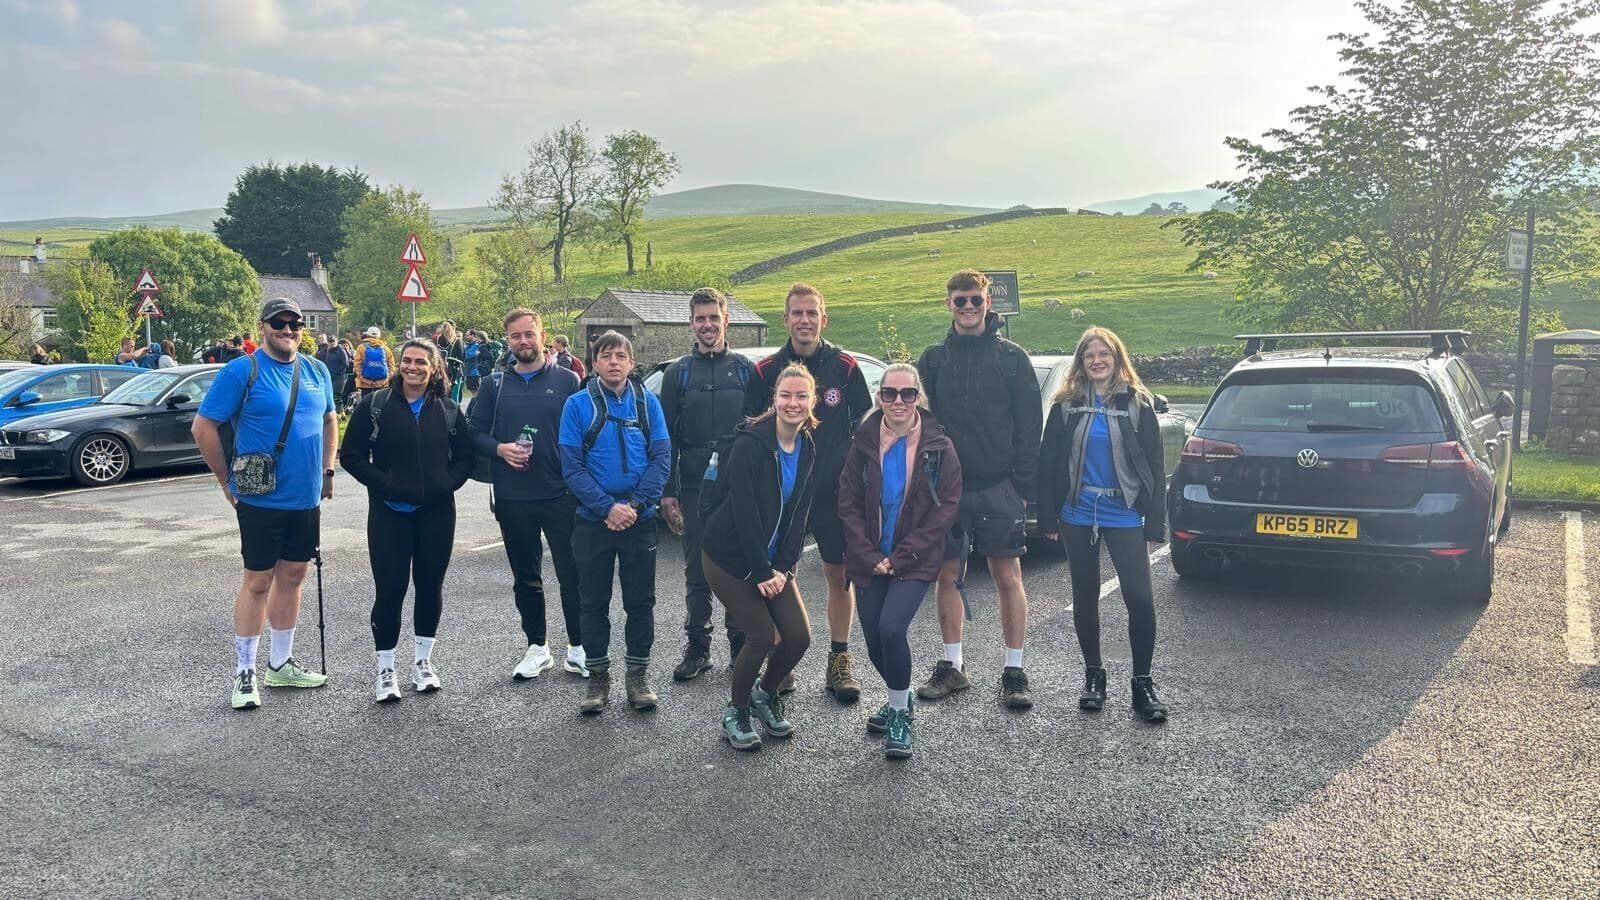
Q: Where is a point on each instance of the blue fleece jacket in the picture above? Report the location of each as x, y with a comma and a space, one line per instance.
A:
626, 464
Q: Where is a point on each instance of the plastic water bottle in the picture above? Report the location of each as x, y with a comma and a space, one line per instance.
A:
711, 467
525, 439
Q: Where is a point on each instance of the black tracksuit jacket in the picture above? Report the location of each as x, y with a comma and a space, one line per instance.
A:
712, 406
842, 402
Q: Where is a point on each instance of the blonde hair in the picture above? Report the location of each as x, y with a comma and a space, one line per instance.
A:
793, 370
1077, 386
916, 382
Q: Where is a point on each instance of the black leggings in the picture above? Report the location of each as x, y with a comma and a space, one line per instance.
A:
775, 630
887, 606
403, 546
1131, 559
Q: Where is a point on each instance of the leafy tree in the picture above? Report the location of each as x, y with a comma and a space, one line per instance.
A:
1386, 204
1176, 208
275, 215
1223, 204
94, 309
552, 192
16, 319
207, 290
367, 272
635, 168
1154, 209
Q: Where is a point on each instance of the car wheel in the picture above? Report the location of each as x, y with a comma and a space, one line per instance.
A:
1505, 522
1191, 564
1473, 582
100, 460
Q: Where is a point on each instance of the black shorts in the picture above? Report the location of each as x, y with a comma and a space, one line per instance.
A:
268, 536
992, 521
824, 525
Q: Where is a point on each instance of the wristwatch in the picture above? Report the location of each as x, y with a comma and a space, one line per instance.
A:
637, 506
327, 473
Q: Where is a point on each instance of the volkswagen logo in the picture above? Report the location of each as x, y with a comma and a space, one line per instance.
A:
1307, 458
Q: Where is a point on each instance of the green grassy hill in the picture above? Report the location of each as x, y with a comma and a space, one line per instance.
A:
765, 200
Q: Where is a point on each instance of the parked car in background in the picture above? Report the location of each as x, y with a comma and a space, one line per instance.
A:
33, 390
143, 423
871, 367
1391, 459
7, 365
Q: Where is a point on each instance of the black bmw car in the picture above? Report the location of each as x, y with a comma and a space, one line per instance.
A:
142, 424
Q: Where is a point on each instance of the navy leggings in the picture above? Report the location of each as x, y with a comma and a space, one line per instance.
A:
887, 606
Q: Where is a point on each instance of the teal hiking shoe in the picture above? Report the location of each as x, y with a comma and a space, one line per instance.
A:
878, 722
769, 709
736, 729
246, 693
290, 674
897, 743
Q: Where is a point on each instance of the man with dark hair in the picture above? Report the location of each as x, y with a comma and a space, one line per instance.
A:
564, 355
842, 400
982, 389
515, 419
702, 396
616, 455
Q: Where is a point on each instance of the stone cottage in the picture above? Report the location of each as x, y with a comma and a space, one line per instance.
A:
657, 322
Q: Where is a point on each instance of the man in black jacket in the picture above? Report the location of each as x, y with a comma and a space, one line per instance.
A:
982, 389
702, 396
842, 401
529, 495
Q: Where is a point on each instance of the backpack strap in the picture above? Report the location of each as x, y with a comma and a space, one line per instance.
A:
379, 398
602, 412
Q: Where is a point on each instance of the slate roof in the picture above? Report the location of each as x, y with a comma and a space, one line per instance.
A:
304, 291
672, 307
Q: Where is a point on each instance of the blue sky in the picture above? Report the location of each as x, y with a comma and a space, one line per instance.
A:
135, 108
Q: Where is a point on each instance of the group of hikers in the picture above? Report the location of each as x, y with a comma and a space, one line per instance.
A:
741, 459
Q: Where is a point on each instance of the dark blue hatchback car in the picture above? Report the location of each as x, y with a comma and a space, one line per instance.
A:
1391, 459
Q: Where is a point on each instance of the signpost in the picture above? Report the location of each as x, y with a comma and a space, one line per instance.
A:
413, 289
1519, 258
1004, 296
147, 288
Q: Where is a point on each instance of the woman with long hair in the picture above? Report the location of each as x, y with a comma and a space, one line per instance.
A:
169, 357
899, 493
755, 524
409, 445
1101, 476
40, 358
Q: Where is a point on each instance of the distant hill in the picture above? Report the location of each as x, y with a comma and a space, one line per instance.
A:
188, 220
1196, 201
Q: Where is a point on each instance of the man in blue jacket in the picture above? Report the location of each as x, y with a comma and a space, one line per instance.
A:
616, 455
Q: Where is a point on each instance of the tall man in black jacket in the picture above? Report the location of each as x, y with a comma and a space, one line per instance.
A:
702, 396
842, 401
530, 495
982, 389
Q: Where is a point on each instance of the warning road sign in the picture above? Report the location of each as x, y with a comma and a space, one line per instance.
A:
148, 308
413, 253
147, 283
413, 289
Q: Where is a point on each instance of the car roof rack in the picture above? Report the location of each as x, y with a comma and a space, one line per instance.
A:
1442, 340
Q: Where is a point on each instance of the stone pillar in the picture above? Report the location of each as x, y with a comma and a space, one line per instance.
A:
1575, 409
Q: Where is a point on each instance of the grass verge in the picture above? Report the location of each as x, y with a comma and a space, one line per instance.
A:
1543, 475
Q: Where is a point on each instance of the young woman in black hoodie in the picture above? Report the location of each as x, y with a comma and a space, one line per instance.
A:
755, 528
409, 445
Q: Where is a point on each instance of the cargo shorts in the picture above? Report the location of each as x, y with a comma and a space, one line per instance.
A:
992, 521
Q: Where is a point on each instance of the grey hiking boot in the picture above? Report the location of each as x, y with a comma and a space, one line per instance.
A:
696, 662
736, 728
945, 680
640, 697
598, 693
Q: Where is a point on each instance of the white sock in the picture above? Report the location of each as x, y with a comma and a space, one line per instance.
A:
244, 652
424, 647
899, 699
386, 659
282, 646
952, 654
575, 652
1014, 657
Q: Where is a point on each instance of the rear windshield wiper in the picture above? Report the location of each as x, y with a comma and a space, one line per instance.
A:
1338, 426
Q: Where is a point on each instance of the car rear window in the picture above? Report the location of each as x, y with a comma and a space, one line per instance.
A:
1315, 402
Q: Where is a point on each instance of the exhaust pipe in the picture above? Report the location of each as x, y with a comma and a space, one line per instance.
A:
1411, 568
1214, 554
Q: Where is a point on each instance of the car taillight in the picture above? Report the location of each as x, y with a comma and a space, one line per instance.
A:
1199, 449
1443, 456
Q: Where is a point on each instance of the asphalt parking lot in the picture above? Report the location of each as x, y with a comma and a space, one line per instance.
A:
1330, 736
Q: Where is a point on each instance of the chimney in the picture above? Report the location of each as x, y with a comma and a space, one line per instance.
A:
318, 273
24, 265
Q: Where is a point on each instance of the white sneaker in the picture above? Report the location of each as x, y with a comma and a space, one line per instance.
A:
423, 677
536, 660
387, 690
576, 662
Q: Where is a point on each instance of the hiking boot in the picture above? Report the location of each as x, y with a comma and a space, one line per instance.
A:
1014, 689
786, 686
1093, 697
736, 728
640, 697
1145, 702
696, 662
769, 709
575, 663
423, 678
290, 674
945, 680
246, 693
386, 689
536, 660
599, 693
842, 683
878, 722
897, 743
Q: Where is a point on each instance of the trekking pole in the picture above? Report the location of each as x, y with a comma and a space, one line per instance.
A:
322, 633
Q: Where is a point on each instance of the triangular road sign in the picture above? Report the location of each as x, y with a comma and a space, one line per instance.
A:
147, 283
413, 289
413, 253
148, 308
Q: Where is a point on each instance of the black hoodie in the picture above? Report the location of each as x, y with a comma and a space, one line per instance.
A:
983, 390
739, 530
413, 460
842, 402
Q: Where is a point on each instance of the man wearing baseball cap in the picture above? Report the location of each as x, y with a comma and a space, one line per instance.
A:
374, 362
275, 474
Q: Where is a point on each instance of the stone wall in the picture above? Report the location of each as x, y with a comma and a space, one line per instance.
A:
1575, 409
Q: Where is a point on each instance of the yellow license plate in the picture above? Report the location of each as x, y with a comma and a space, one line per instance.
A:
1306, 526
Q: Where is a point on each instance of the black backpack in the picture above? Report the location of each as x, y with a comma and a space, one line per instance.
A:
603, 416
452, 415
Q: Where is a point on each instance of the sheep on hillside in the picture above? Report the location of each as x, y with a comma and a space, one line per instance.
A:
849, 280
1209, 276
1084, 273
1052, 303
1077, 313
934, 253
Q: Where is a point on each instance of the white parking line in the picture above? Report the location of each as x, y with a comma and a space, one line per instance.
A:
1580, 632
1110, 587
110, 487
486, 547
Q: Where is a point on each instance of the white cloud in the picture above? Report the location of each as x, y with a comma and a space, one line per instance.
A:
66, 11
121, 34
253, 21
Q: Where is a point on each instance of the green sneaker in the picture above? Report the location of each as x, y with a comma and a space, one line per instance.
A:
897, 744
736, 728
878, 722
290, 674
246, 693
769, 709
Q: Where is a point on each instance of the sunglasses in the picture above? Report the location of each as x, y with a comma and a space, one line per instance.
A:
961, 301
906, 395
294, 325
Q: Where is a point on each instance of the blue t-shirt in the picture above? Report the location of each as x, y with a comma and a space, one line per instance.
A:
260, 418
617, 469
1100, 470
788, 469
400, 506
894, 492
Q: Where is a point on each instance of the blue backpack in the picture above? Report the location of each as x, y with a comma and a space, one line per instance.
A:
374, 363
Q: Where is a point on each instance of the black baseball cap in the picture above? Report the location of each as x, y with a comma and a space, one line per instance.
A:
279, 305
